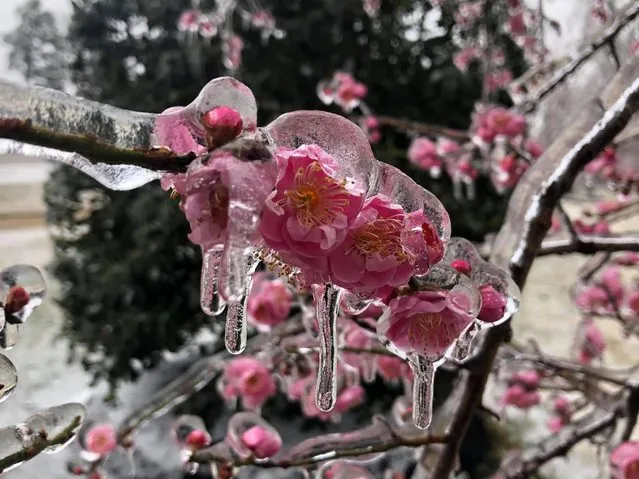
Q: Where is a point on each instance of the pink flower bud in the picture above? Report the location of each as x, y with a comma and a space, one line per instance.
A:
222, 125
555, 424
529, 379
261, 442
624, 461
348, 398
493, 304
462, 266
17, 298
101, 439
562, 406
197, 439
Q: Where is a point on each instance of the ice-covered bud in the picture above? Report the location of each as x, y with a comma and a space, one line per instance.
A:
262, 442
17, 298
222, 124
529, 379
493, 304
556, 424
197, 439
462, 266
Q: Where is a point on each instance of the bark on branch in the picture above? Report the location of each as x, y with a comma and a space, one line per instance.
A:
589, 245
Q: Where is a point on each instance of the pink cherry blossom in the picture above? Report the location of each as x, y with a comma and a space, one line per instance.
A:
556, 424
357, 337
308, 214
248, 379
232, 49
611, 280
423, 153
101, 439
497, 79
392, 368
349, 398
384, 246
493, 304
262, 442
269, 302
465, 57
592, 344
424, 323
624, 461
492, 121
629, 258
189, 21
593, 299
518, 396
528, 379
207, 27
463, 267
534, 148
604, 165
509, 170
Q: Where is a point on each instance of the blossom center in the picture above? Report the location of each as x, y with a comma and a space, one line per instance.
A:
317, 199
381, 237
252, 383
422, 326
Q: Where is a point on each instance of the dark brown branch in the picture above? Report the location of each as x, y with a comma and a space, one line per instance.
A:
98, 132
558, 78
330, 454
558, 445
527, 223
589, 245
408, 126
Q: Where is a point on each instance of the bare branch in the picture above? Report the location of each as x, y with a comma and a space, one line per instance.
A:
408, 126
589, 245
558, 78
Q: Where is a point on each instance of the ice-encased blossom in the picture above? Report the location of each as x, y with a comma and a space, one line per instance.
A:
493, 304
269, 302
101, 439
423, 153
308, 214
262, 442
426, 323
624, 461
248, 379
384, 246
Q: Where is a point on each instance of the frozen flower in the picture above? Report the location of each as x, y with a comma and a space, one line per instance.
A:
384, 246
248, 379
222, 124
269, 302
17, 298
308, 214
493, 304
425, 322
463, 267
624, 461
197, 439
101, 439
262, 442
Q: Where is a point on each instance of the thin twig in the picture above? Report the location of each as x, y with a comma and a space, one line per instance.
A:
589, 245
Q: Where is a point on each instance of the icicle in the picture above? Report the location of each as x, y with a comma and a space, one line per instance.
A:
423, 385
235, 333
464, 343
210, 301
326, 388
232, 278
8, 377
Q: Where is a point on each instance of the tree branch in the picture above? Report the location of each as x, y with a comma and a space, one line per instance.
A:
408, 126
98, 132
589, 245
527, 223
558, 78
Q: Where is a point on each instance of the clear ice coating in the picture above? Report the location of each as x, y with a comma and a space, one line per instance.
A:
22, 289
242, 422
58, 425
210, 300
8, 377
327, 305
236, 317
9, 336
423, 389
462, 254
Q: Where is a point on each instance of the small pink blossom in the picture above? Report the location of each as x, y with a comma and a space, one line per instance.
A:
464, 267
528, 379
593, 299
262, 442
604, 165
518, 396
448, 148
508, 172
516, 24
561, 406
493, 304
207, 27
349, 398
308, 214
248, 379
611, 280
629, 258
232, 49
222, 124
624, 461
593, 343
424, 322
269, 302
534, 148
197, 439
423, 153
263, 19
463, 58
556, 424
101, 439
189, 21
493, 121
384, 246
497, 79
392, 368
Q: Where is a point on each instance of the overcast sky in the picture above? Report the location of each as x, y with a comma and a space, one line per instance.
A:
9, 20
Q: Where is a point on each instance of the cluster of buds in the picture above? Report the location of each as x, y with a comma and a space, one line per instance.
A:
522, 390
343, 90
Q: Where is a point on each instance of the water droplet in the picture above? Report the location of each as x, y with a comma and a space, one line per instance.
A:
8, 377
423, 385
210, 301
462, 347
327, 305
